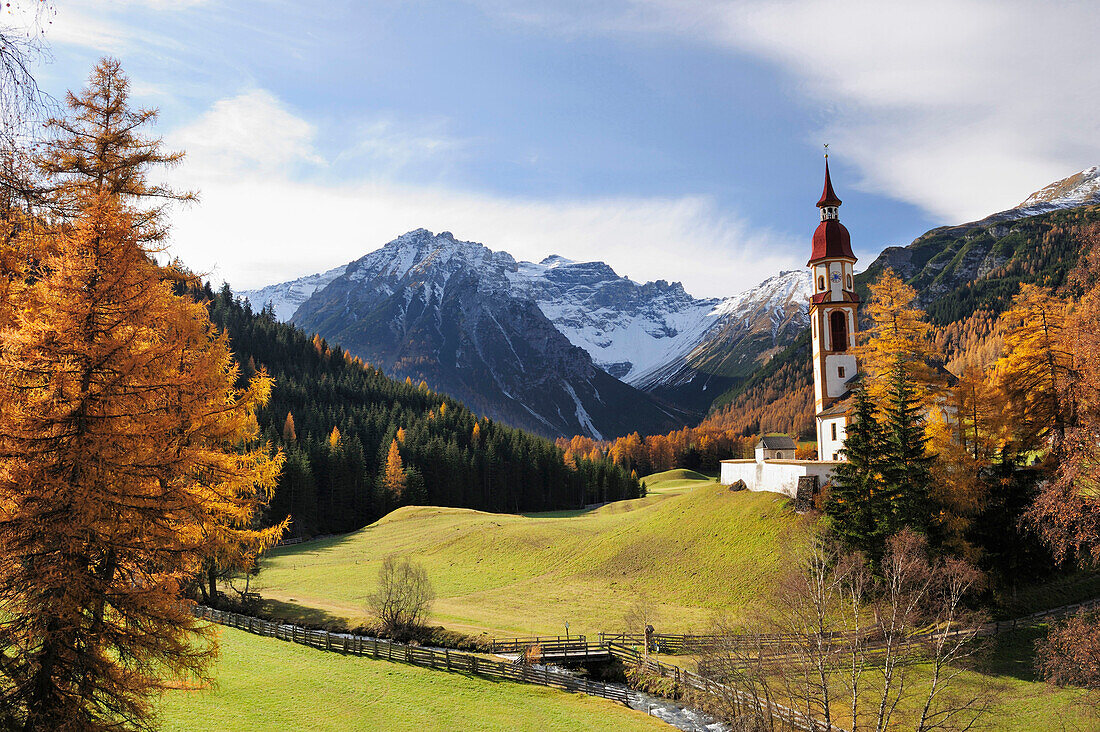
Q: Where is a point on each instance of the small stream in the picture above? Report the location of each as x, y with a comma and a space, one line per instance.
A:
666, 710
674, 714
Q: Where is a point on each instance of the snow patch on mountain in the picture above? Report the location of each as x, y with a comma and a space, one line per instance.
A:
627, 327
1079, 189
286, 297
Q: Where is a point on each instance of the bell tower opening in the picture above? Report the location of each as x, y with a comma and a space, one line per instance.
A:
838, 330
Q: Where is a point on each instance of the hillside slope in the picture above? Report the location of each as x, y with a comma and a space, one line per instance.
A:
689, 554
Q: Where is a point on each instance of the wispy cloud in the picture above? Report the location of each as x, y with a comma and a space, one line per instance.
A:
259, 222
388, 145
960, 106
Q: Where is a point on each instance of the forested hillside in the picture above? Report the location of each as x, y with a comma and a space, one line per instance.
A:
359, 444
966, 277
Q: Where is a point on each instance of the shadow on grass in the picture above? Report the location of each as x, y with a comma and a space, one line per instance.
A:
573, 513
292, 612
1013, 654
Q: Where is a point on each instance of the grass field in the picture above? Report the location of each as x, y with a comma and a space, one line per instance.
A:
265, 684
691, 548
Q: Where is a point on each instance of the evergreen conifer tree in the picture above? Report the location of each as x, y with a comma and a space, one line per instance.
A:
908, 471
856, 504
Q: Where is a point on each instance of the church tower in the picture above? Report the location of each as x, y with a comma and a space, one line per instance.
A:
833, 323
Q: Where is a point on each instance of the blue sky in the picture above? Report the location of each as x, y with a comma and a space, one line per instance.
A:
674, 139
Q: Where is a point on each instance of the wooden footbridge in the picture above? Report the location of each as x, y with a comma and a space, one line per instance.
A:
561, 649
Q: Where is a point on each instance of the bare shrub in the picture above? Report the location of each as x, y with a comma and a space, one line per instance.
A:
842, 641
404, 595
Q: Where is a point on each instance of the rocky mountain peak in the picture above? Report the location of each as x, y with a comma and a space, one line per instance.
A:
1079, 189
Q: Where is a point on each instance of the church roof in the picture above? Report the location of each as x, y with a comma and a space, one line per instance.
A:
776, 442
831, 240
827, 297
844, 405
828, 197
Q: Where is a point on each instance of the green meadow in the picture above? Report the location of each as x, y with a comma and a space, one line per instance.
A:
690, 549
265, 684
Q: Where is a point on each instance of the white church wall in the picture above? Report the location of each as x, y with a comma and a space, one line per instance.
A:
829, 446
777, 476
834, 381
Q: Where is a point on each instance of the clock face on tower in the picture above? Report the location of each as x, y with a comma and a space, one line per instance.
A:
836, 276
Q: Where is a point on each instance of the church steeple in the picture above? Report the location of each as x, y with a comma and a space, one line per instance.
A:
831, 240
833, 320
828, 203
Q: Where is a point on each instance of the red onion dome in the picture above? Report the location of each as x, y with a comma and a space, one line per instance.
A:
831, 240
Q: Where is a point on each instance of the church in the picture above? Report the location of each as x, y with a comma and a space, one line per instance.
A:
833, 326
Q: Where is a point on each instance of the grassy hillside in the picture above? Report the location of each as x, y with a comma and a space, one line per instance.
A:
691, 548
269, 684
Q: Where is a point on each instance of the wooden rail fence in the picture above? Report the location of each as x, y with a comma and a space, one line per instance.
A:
552, 643
444, 660
793, 717
680, 644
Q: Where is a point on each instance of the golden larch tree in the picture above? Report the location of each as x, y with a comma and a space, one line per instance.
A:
898, 331
289, 433
394, 479
1035, 373
128, 457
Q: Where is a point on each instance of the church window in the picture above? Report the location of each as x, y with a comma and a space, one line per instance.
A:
838, 327
834, 430
821, 283
840, 371
778, 456
849, 282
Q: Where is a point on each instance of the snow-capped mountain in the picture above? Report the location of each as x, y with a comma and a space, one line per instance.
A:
746, 331
1079, 189
286, 297
428, 306
629, 329
654, 336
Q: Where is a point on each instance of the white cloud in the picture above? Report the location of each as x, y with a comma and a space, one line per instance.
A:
251, 132
75, 27
961, 106
257, 222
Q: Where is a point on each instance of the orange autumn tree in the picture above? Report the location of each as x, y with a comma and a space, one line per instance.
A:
1036, 372
128, 455
898, 333
394, 479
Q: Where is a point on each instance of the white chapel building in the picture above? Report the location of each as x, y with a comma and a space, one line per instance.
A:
833, 326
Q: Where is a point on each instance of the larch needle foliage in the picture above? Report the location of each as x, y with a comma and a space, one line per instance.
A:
898, 333
128, 455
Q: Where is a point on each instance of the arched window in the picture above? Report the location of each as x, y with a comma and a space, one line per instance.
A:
821, 283
838, 330
849, 282
778, 456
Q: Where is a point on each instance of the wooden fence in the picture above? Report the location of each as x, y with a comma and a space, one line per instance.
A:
555, 644
679, 644
710, 687
444, 660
